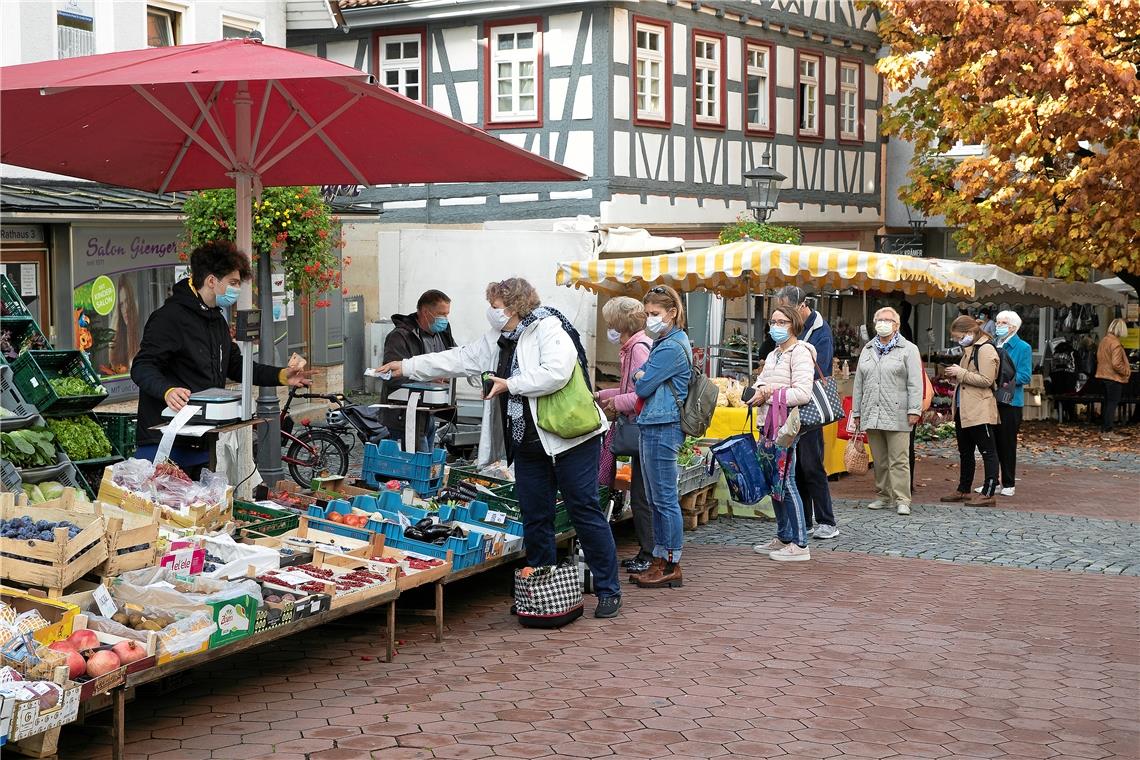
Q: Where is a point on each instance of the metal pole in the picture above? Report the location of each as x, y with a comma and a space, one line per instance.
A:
243, 212
748, 316
268, 409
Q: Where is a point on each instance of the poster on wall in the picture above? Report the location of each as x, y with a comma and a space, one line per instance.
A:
121, 275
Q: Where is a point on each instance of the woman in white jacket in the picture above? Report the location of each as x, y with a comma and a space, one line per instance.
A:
531, 351
791, 367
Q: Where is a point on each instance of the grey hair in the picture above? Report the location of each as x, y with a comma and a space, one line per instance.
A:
888, 310
793, 294
1118, 327
624, 314
1010, 316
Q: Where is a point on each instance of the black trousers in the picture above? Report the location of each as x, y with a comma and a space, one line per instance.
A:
811, 479
1112, 393
980, 438
642, 511
1006, 436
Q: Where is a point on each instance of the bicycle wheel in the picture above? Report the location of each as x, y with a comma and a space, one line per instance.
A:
316, 452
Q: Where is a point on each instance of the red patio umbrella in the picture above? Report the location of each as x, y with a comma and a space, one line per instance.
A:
238, 113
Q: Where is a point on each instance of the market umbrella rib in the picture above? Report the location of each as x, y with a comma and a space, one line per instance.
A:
173, 168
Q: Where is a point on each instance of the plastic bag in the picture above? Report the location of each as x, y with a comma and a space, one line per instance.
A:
132, 474
162, 589
237, 558
212, 488
499, 470
187, 635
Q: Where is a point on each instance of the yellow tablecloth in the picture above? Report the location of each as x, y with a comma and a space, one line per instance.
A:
727, 422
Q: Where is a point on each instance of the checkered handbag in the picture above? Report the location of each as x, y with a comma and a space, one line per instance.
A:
824, 407
550, 592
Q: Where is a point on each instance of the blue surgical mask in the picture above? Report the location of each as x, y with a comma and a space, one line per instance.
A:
966, 340
779, 334
229, 298
614, 336
1001, 331
654, 325
439, 324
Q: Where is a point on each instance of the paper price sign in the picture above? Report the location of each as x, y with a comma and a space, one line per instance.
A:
496, 518
107, 606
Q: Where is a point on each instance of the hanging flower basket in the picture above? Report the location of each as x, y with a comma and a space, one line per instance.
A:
291, 224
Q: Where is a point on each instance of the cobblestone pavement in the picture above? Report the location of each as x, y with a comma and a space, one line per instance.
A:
963, 535
852, 656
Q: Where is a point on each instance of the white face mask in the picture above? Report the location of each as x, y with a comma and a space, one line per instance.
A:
614, 336
497, 318
654, 324
884, 329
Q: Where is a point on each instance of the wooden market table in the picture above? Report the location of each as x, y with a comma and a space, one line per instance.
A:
118, 696
729, 421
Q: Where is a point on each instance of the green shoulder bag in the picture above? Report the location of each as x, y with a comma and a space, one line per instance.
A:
570, 412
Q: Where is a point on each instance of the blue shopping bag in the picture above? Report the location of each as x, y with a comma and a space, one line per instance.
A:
738, 459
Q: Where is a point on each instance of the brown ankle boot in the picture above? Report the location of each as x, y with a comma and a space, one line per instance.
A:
655, 565
956, 496
667, 574
981, 500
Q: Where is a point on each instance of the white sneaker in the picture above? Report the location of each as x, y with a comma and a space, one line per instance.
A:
904, 508
878, 504
774, 545
825, 531
1007, 491
791, 553
978, 489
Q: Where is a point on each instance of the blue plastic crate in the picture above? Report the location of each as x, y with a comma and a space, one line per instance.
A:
318, 518
476, 513
387, 462
466, 552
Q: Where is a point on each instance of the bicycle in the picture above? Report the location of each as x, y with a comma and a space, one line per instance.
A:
312, 452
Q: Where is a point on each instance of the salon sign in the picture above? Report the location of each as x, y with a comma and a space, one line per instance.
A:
111, 250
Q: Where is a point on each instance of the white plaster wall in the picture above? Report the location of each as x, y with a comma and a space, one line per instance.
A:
462, 45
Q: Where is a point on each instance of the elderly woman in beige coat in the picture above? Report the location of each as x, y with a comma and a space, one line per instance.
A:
886, 403
975, 410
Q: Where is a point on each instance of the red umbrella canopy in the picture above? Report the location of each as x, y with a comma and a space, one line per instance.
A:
165, 119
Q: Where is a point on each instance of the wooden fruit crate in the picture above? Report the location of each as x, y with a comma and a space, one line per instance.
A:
205, 516
405, 581
51, 565
125, 531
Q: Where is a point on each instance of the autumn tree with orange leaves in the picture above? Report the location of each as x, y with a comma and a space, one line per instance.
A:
1050, 89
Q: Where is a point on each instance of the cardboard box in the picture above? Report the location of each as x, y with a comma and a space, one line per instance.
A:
101, 685
20, 719
59, 614
235, 619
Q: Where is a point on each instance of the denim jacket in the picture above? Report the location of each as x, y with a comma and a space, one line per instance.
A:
670, 361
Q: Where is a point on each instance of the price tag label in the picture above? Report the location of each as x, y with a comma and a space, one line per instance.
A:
107, 606
315, 606
182, 562
496, 518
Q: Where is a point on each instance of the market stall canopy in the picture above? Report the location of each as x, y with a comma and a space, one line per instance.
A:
164, 119
747, 266
1119, 285
993, 284
1082, 292
630, 240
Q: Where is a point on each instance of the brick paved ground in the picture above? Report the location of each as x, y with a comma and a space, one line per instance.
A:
846, 656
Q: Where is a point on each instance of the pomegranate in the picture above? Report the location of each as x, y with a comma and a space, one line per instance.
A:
84, 639
102, 662
75, 664
128, 652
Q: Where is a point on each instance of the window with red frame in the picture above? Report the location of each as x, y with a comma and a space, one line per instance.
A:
850, 92
708, 68
513, 73
809, 91
651, 71
758, 84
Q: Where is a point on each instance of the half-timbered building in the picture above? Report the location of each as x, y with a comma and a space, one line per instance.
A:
663, 104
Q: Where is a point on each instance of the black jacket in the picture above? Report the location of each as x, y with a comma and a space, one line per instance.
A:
405, 341
186, 344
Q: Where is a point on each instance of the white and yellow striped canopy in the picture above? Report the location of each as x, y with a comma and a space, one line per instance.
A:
747, 266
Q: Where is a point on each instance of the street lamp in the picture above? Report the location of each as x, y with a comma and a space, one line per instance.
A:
916, 220
762, 189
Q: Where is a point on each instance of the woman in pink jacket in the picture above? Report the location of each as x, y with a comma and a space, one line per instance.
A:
791, 367
625, 318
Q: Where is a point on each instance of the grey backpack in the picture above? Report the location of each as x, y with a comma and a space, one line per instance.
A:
700, 403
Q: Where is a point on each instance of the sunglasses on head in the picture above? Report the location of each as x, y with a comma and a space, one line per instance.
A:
659, 290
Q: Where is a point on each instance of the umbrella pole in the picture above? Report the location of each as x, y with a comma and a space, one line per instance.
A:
748, 316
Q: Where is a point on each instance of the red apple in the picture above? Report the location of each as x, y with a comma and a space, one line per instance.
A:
102, 662
84, 639
128, 652
75, 664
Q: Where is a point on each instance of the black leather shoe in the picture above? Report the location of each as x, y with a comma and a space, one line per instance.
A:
628, 563
608, 607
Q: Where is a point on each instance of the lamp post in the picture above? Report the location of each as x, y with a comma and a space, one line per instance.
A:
762, 188
915, 219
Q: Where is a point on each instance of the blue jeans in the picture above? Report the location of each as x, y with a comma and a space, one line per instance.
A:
574, 473
790, 525
659, 447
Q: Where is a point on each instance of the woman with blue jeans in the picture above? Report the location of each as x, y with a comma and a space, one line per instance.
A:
791, 367
662, 384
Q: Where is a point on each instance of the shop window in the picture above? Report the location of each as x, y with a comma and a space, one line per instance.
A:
809, 95
163, 26
112, 339
651, 81
850, 99
708, 80
759, 88
234, 28
400, 64
514, 74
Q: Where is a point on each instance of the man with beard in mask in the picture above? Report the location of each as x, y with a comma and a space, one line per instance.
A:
186, 348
